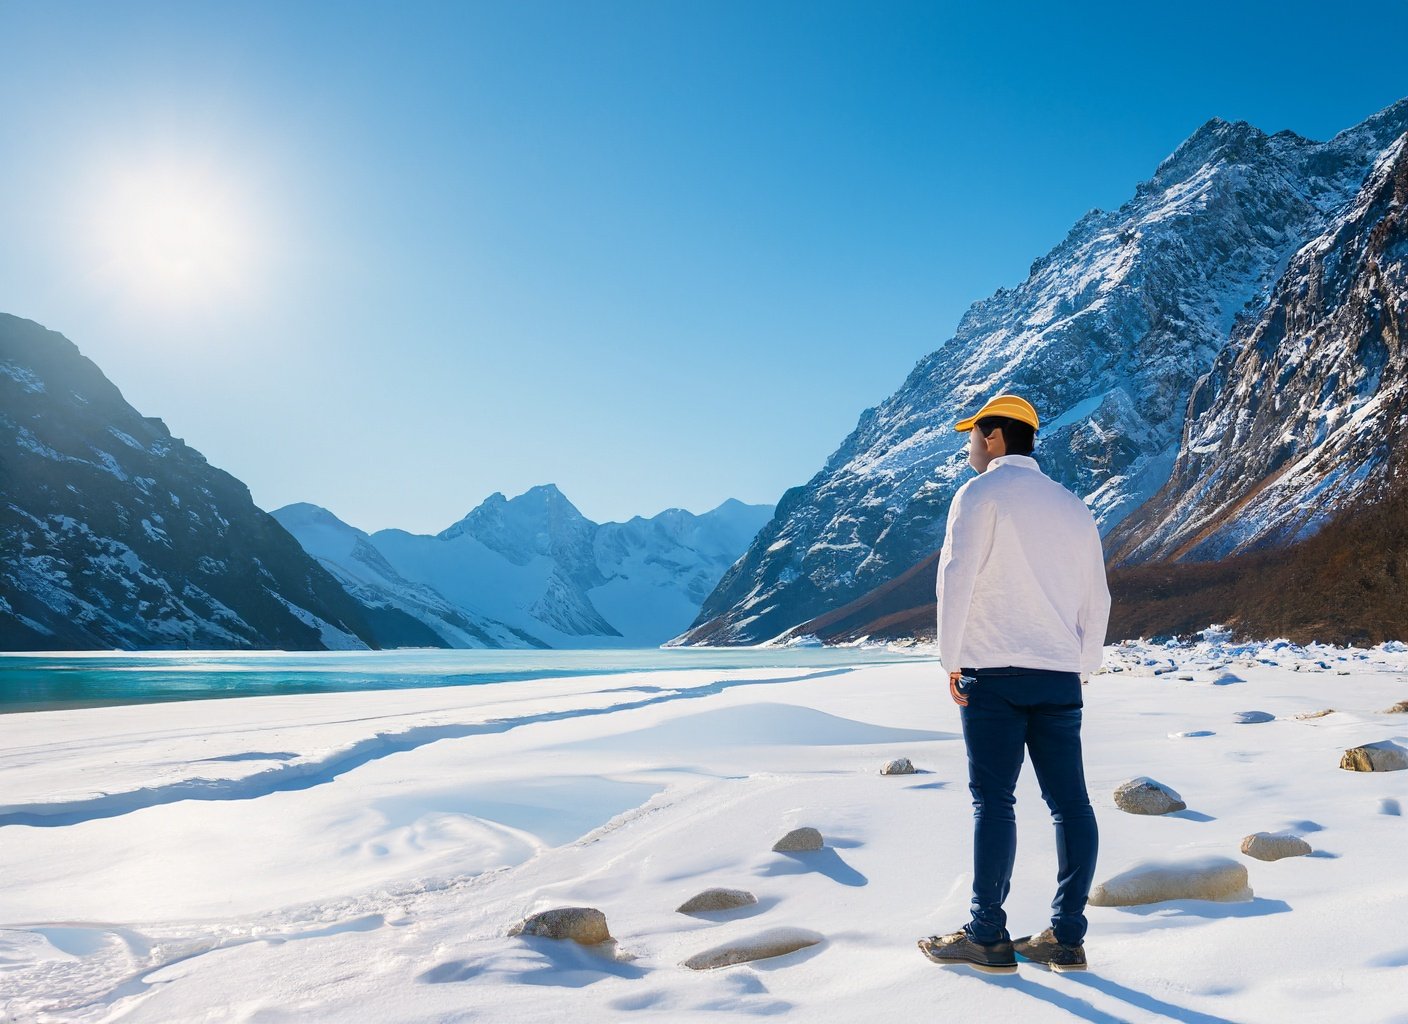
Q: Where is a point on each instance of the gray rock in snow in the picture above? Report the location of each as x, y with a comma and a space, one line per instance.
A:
1220, 879
584, 925
1143, 795
799, 840
1274, 846
716, 899
773, 942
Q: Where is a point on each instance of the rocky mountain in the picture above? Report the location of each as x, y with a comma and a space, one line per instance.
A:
1306, 409
1108, 336
532, 571
114, 534
1284, 515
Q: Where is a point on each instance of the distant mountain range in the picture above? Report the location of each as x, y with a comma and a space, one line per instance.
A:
1219, 365
114, 534
532, 571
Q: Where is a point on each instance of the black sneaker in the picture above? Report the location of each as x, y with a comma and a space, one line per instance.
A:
1044, 949
958, 948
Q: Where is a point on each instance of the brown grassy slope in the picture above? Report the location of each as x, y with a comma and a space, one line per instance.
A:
1348, 584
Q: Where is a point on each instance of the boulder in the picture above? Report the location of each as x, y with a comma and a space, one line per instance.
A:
899, 766
716, 899
1253, 717
1385, 756
773, 942
1220, 879
1315, 714
799, 839
1227, 679
1274, 846
585, 925
1143, 795
1400, 708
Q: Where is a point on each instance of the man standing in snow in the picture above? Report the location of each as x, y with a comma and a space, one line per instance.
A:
1022, 610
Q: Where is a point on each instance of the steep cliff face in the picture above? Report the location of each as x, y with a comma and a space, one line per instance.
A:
113, 533
1107, 337
1306, 410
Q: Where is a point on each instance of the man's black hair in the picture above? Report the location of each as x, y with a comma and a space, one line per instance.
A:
1020, 436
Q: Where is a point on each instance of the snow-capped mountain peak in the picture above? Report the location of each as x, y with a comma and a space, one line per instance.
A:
1107, 337
533, 571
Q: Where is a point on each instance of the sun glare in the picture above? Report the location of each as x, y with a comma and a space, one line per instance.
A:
172, 236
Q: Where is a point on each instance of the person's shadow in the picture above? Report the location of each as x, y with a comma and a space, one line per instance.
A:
1143, 1000
1086, 1010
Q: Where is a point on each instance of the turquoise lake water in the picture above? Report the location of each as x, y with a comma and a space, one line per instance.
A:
44, 682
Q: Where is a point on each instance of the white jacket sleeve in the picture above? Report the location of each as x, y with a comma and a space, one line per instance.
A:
968, 538
1094, 617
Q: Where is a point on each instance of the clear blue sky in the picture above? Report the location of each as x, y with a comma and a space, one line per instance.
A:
660, 254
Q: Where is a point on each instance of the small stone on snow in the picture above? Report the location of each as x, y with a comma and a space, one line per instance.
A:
1270, 846
585, 925
716, 899
799, 839
1143, 795
774, 942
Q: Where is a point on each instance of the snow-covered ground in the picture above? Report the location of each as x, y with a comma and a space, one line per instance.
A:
362, 856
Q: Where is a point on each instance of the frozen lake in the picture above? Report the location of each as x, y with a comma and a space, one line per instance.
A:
76, 679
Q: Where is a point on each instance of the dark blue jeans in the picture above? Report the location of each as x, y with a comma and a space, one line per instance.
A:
1039, 709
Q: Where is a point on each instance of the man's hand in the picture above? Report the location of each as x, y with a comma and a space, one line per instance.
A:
958, 698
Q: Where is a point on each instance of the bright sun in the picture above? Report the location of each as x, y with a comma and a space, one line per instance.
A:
173, 236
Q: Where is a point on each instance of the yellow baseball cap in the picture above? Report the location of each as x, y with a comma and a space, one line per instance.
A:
1002, 405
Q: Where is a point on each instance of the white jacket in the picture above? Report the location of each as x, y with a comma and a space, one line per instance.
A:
1021, 579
